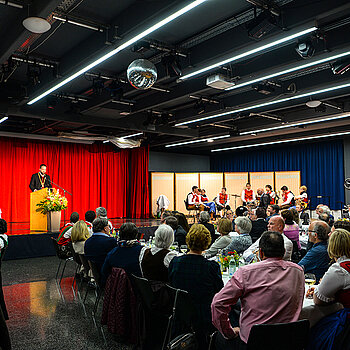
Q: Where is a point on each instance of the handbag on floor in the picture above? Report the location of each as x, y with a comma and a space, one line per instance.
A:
186, 341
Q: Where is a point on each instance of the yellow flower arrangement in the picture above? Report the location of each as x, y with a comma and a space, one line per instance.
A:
53, 202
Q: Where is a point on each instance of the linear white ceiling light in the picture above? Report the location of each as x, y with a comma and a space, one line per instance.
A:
270, 103
251, 52
131, 41
3, 119
292, 125
290, 70
209, 139
132, 135
282, 141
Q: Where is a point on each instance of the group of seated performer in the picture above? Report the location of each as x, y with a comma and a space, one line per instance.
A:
198, 199
248, 195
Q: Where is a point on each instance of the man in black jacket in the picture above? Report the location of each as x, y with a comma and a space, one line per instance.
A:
265, 198
40, 180
259, 226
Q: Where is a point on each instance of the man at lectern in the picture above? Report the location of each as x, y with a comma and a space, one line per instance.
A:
40, 180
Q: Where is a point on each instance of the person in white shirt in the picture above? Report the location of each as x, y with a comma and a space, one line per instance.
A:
194, 200
248, 194
276, 224
287, 197
222, 201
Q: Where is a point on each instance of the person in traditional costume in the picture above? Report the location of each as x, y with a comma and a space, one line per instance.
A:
64, 237
210, 205
303, 197
287, 198
194, 200
248, 194
222, 201
272, 194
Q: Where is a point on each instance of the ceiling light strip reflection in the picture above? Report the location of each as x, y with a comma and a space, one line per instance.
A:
282, 141
196, 141
251, 52
265, 104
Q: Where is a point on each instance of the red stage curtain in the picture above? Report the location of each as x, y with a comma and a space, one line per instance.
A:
139, 206
96, 175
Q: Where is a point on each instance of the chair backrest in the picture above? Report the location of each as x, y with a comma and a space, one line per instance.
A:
286, 336
95, 272
144, 290
84, 262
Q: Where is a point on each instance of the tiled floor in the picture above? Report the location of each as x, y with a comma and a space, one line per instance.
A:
44, 316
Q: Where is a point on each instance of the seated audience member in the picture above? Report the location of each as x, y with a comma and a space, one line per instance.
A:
179, 232
200, 277
272, 210
204, 220
304, 218
334, 287
164, 215
243, 241
241, 211
259, 225
291, 229
100, 243
155, 261
80, 234
264, 290
126, 254
224, 228
341, 223
287, 198
222, 201
3, 246
182, 220
276, 224
264, 198
230, 215
101, 212
90, 216
295, 215
64, 237
325, 210
316, 260
194, 200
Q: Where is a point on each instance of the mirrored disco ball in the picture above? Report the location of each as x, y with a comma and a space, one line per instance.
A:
142, 74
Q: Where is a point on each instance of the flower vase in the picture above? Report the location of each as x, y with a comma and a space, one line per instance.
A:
53, 221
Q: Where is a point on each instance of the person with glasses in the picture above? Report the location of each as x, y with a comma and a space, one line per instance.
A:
316, 260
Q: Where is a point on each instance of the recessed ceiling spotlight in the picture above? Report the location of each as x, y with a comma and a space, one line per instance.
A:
37, 25
313, 103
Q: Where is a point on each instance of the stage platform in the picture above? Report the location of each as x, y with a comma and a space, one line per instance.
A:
24, 243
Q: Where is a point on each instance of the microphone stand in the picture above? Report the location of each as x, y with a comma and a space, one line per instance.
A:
64, 194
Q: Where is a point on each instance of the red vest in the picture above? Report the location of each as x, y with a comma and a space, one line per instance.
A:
305, 199
272, 199
248, 195
204, 198
343, 296
222, 198
195, 197
285, 196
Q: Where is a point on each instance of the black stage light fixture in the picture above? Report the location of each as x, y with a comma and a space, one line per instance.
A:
340, 67
265, 89
261, 25
141, 46
305, 49
234, 131
172, 65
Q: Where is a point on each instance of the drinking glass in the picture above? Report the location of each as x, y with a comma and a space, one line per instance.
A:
183, 249
310, 280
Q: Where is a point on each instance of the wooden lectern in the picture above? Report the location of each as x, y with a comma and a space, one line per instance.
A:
38, 221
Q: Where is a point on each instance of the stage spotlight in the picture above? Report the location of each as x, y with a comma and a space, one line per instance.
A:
305, 49
261, 25
172, 65
340, 67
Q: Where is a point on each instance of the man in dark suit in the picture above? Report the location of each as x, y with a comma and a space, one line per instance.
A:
259, 226
100, 243
40, 180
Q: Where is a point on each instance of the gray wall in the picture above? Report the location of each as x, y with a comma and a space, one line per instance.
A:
177, 162
347, 165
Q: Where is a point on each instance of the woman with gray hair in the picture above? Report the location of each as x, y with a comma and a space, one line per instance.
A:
204, 219
154, 262
243, 241
101, 212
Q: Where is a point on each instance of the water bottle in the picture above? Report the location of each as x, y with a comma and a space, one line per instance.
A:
232, 268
